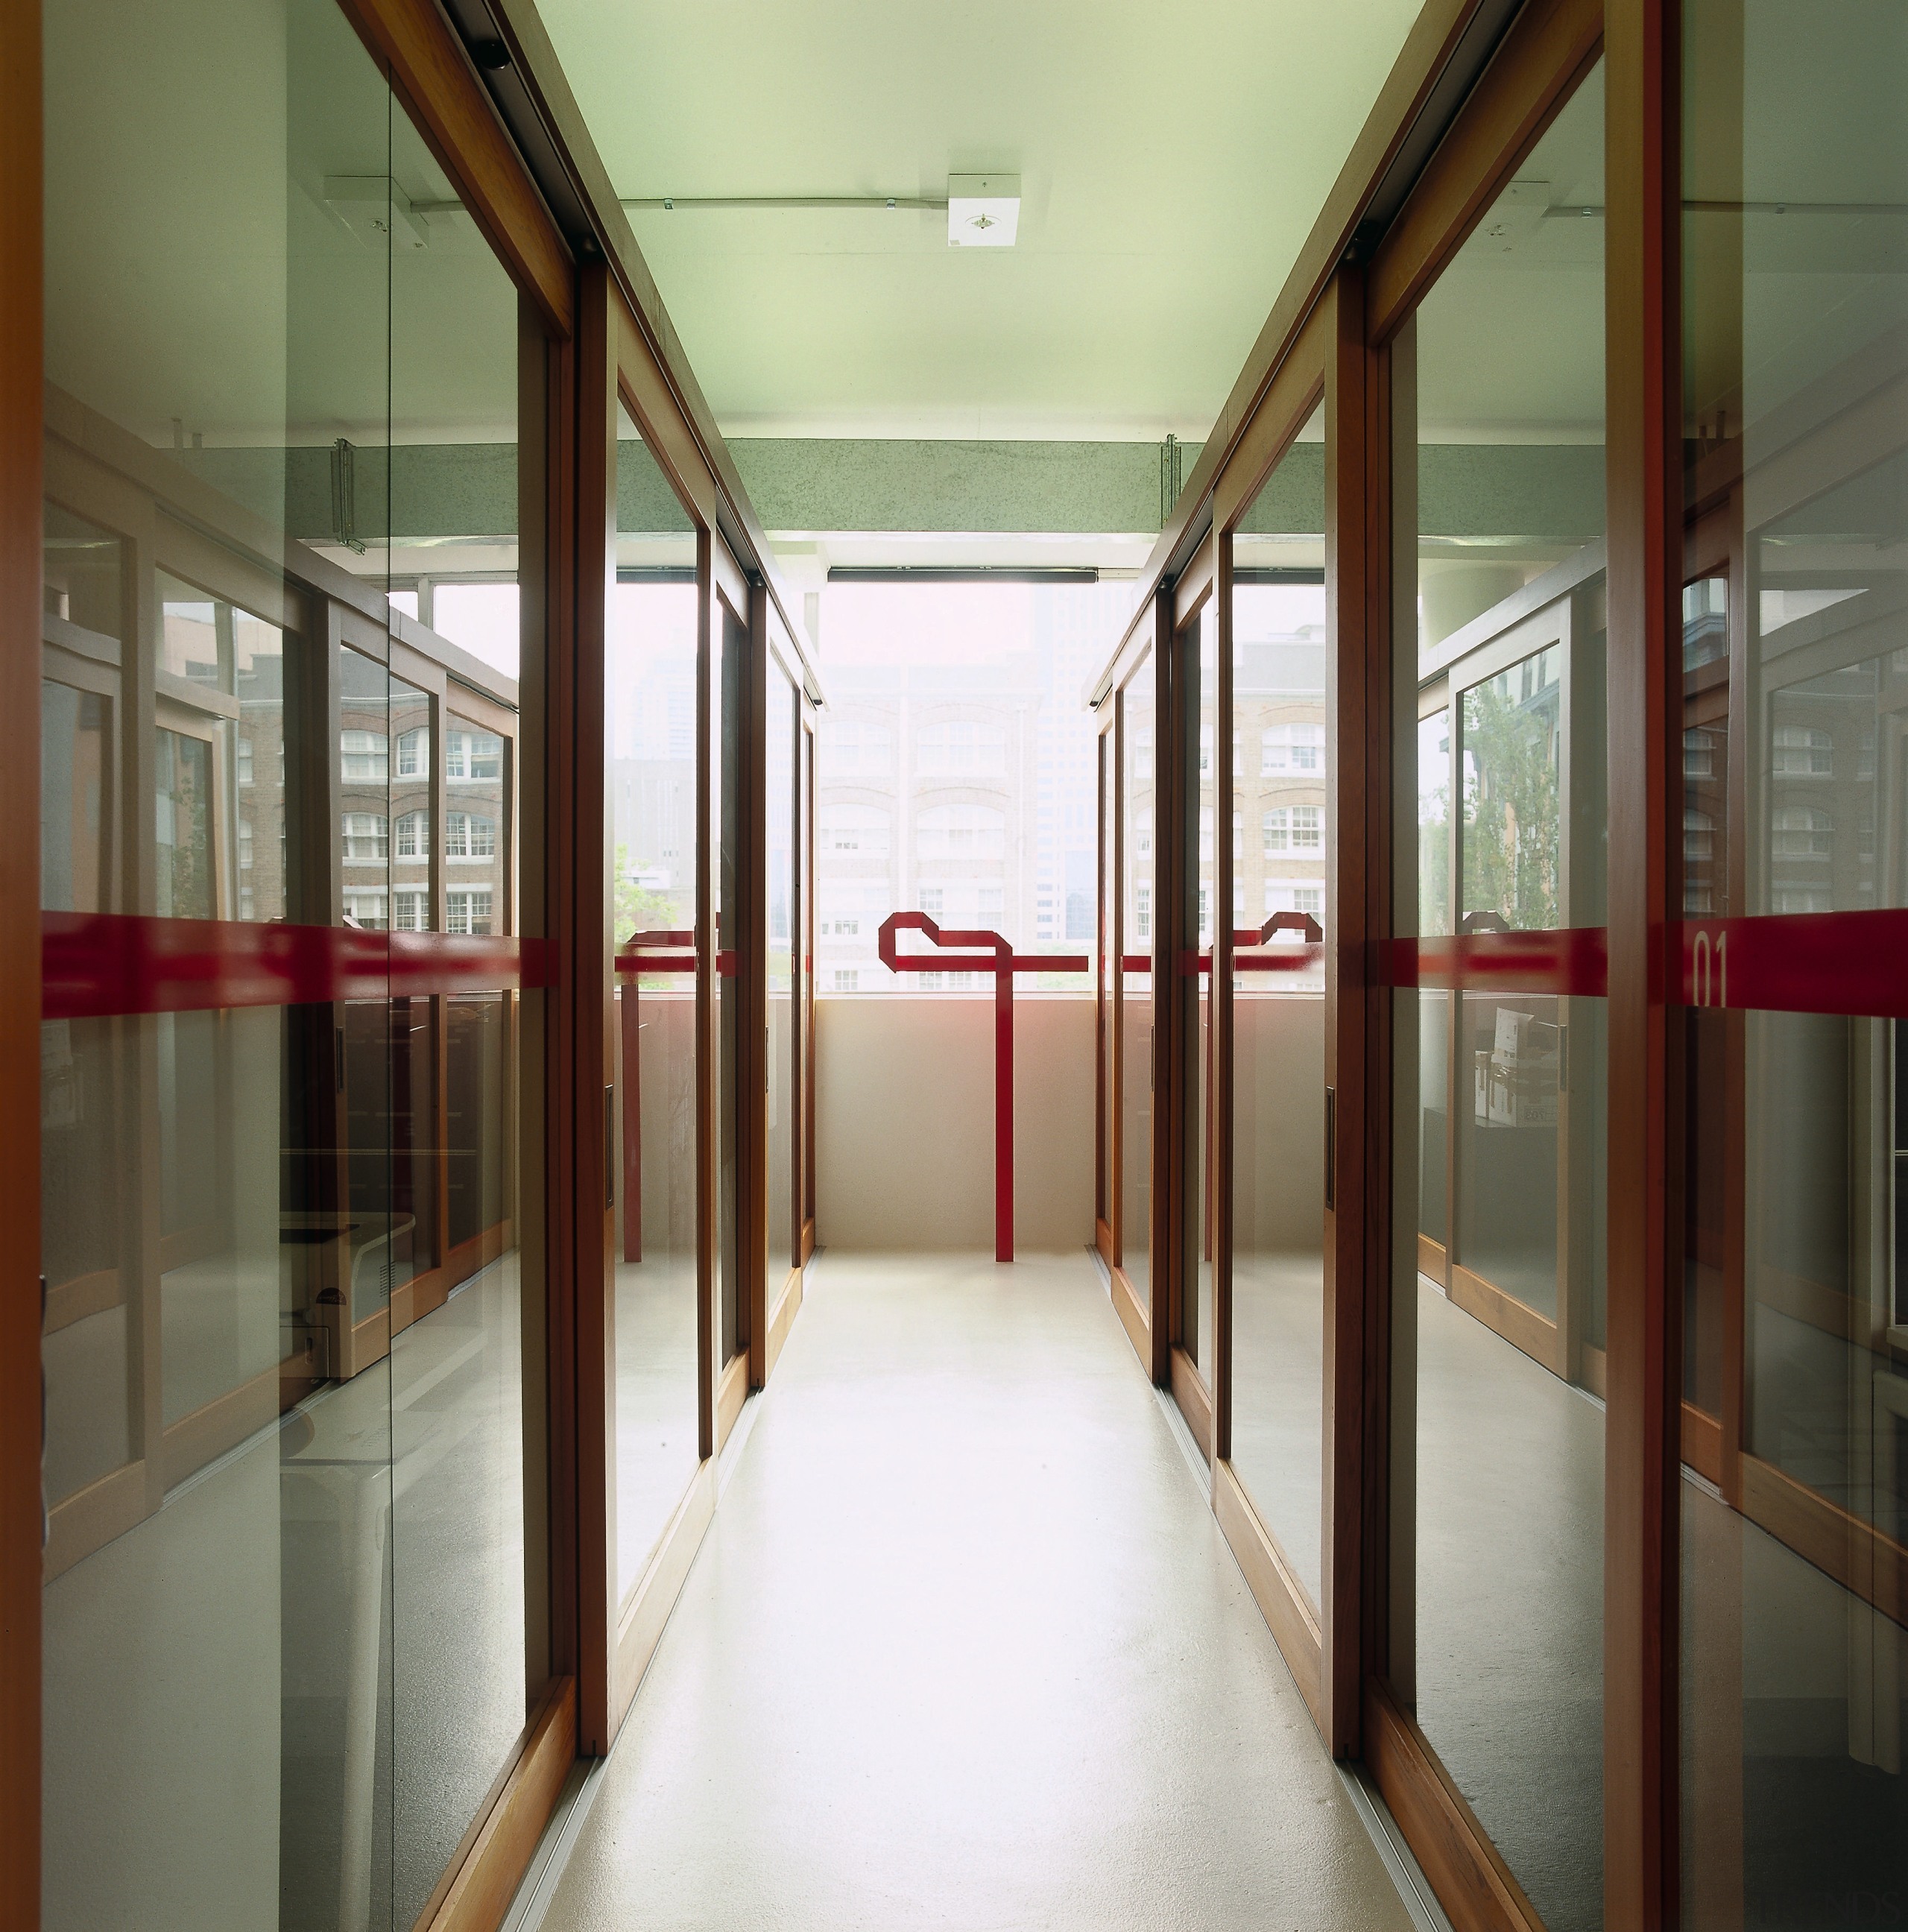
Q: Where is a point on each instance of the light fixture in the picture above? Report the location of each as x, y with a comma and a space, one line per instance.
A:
983, 211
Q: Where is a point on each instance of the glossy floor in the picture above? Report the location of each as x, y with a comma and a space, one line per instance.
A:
965, 1648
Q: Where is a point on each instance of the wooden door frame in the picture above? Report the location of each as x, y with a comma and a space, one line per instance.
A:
21, 310
1105, 743
1303, 382
1178, 1219
1150, 1334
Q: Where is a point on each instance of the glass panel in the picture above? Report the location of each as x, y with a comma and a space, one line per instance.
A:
1198, 648
1510, 841
195, 640
477, 788
262, 782
217, 1607
1139, 948
1794, 1808
466, 1301
1108, 780
1281, 793
309, 1667
650, 712
75, 799
87, 1351
1497, 1640
784, 1238
955, 764
182, 825
809, 875
725, 897
83, 584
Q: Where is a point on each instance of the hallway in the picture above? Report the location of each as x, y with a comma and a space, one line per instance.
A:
965, 1647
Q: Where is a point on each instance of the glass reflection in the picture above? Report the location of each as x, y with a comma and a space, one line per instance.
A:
1281, 777
1197, 653
651, 714
1795, 675
784, 1236
286, 1587
1139, 948
1497, 1640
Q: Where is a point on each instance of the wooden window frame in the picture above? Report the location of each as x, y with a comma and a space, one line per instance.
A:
1302, 383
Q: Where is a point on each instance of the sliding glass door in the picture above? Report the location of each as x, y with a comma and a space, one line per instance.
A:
295, 1574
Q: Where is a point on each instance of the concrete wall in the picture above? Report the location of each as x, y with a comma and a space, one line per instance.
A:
872, 484
904, 1122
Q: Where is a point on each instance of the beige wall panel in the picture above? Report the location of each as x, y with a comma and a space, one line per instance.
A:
904, 1123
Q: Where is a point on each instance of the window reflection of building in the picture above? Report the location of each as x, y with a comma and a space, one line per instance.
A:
960, 779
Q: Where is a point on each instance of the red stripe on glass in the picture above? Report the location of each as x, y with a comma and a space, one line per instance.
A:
1853, 963
629, 965
1566, 959
93, 964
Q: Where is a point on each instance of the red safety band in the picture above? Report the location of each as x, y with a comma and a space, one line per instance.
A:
96, 964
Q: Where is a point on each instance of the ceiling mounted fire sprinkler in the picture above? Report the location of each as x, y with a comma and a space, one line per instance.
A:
983, 211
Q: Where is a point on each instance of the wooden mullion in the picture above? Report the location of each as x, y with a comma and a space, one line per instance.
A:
144, 1129
1354, 1193
1531, 76
21, 1394
588, 947
1116, 978
412, 41
708, 835
1166, 1272
1219, 1101
1643, 1419
752, 985
1390, 859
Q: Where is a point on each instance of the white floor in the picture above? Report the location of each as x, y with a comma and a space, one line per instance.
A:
964, 1648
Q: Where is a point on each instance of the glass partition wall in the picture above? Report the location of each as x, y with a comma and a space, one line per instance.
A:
707, 769
1499, 1049
1272, 977
316, 1594
652, 685
1790, 854
1129, 752
292, 1346
1630, 1125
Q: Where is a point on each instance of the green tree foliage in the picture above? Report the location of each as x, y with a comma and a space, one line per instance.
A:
637, 908
1511, 816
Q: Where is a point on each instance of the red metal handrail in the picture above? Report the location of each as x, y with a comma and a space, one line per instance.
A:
1000, 959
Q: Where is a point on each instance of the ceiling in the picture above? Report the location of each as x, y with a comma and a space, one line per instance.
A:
1172, 160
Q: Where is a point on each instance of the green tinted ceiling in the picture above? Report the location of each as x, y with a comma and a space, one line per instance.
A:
1172, 159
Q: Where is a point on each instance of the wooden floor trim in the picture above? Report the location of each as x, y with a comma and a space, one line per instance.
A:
188, 1444
1702, 1442
639, 1628
1195, 1402
92, 1517
1523, 1327
1473, 1883
1280, 1597
70, 1301
1864, 1560
1433, 1261
731, 1392
487, 1879
788, 1305
1133, 1319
